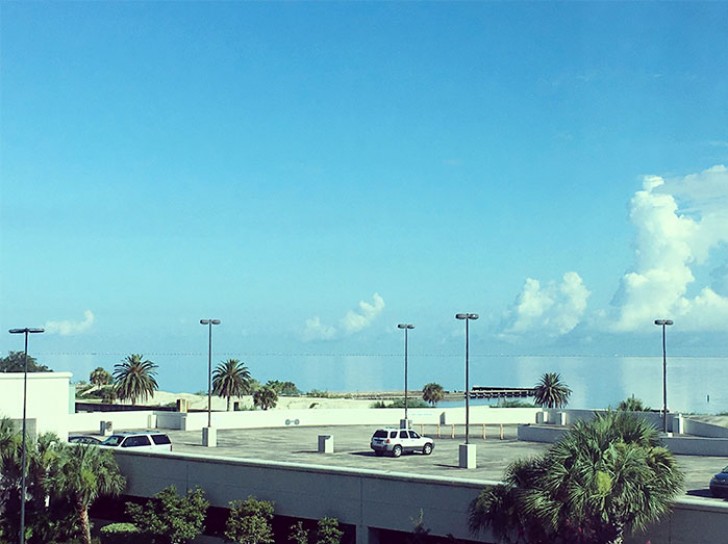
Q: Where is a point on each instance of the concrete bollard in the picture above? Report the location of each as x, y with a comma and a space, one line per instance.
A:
326, 443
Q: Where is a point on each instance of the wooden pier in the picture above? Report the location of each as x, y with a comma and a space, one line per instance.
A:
501, 392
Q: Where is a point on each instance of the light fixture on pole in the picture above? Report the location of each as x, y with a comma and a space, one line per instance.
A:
26, 331
664, 323
208, 436
467, 453
406, 327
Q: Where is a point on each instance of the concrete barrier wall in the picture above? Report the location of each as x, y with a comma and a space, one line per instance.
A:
680, 445
365, 499
370, 500
385, 417
699, 428
90, 422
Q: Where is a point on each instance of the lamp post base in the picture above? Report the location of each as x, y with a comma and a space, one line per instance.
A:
209, 437
466, 456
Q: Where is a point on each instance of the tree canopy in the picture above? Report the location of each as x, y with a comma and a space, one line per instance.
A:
14, 362
551, 392
230, 379
433, 393
602, 481
134, 378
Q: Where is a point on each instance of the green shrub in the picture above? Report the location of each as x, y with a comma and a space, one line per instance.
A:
514, 404
399, 403
121, 533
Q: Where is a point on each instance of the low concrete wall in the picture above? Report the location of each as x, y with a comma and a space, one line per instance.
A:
681, 445
371, 500
700, 428
90, 422
385, 417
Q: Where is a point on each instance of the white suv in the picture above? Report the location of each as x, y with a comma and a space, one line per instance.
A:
139, 441
399, 441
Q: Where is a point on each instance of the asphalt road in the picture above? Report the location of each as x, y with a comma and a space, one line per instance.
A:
351, 450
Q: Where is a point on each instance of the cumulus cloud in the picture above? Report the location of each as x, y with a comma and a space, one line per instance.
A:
681, 227
553, 309
68, 327
353, 322
315, 330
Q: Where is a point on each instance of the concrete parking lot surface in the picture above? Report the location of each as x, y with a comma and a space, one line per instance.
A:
351, 450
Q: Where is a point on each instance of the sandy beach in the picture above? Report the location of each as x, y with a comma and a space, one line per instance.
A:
199, 402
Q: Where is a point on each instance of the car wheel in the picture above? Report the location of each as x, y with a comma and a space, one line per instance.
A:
397, 451
427, 449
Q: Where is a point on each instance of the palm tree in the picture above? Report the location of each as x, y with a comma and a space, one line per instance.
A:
134, 378
231, 379
551, 392
100, 377
602, 481
88, 472
632, 404
265, 397
433, 393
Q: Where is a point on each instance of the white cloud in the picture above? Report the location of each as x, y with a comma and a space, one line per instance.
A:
681, 223
68, 327
315, 330
554, 309
352, 322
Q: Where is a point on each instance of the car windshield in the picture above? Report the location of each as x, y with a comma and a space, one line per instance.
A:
113, 440
724, 471
380, 434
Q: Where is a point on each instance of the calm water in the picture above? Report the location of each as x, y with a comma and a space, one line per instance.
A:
694, 384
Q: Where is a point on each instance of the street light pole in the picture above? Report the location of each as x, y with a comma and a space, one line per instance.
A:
209, 323
663, 323
467, 318
406, 327
26, 331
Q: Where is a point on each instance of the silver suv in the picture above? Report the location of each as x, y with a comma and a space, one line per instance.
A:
399, 441
139, 441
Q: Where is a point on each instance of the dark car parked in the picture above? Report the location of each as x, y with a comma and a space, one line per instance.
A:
719, 484
84, 439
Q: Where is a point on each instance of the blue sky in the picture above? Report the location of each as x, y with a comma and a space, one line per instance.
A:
314, 173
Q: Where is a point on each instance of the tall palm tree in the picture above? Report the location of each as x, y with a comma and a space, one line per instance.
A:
551, 392
632, 404
602, 481
231, 379
433, 393
134, 378
265, 397
88, 472
100, 376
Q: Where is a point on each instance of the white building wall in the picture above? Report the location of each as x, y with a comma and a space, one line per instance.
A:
47, 400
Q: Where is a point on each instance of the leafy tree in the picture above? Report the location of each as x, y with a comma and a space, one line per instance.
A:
134, 378
86, 473
328, 531
433, 393
632, 404
551, 392
14, 362
170, 518
231, 379
250, 522
265, 398
298, 534
99, 377
601, 482
284, 388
